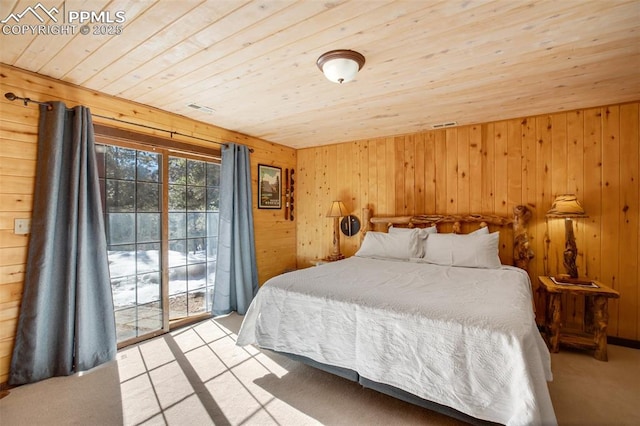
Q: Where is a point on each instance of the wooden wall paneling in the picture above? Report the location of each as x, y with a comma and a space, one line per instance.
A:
559, 179
343, 177
364, 195
514, 165
16, 202
408, 168
636, 218
363, 174
372, 172
589, 260
629, 210
440, 159
610, 230
390, 177
430, 172
10, 256
330, 194
14, 130
420, 191
376, 171
513, 194
398, 168
451, 182
501, 178
307, 216
529, 191
575, 153
488, 168
352, 202
462, 170
475, 168
543, 195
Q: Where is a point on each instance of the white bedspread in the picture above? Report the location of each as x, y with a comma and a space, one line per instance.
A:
461, 337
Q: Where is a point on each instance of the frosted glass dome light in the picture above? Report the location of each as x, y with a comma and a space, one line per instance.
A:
340, 66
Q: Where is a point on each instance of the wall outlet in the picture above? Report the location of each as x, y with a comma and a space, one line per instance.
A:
21, 226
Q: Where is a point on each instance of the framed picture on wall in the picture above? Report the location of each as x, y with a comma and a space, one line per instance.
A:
269, 187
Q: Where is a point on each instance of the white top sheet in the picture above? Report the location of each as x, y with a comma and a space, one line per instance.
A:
461, 337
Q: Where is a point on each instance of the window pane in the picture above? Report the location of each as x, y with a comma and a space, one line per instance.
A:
177, 253
196, 250
101, 155
124, 291
211, 274
177, 225
122, 260
195, 173
177, 170
178, 280
197, 275
213, 174
120, 196
212, 248
148, 227
196, 302
195, 198
149, 317
149, 287
148, 166
212, 224
121, 228
177, 198
148, 258
196, 223
148, 197
178, 306
213, 199
103, 193
121, 163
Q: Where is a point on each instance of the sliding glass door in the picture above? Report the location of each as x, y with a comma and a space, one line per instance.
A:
193, 235
161, 217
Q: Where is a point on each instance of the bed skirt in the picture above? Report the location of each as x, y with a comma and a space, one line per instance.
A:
387, 389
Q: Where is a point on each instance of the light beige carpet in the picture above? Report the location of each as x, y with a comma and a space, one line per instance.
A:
197, 376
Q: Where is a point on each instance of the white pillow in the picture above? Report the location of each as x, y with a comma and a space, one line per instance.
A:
472, 251
421, 232
403, 245
480, 231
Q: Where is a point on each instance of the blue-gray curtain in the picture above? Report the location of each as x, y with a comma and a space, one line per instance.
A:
236, 271
66, 321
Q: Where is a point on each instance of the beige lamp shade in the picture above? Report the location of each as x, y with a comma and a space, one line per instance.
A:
566, 206
337, 209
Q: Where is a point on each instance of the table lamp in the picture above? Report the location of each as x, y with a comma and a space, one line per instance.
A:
336, 211
568, 207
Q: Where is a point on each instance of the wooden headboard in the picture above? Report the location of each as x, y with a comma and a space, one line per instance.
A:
518, 238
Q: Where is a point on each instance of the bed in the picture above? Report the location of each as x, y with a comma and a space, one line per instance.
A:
420, 314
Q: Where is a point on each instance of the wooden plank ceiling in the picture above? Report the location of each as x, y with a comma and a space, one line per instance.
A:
427, 62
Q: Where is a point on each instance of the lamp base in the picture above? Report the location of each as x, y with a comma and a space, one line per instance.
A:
564, 278
334, 257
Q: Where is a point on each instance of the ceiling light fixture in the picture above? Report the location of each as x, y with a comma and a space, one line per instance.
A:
340, 66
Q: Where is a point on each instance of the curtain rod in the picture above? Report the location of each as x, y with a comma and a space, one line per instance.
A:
12, 97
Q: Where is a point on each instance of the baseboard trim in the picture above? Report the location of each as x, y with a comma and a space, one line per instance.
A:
635, 344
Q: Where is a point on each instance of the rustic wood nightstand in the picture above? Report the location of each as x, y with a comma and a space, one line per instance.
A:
596, 320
